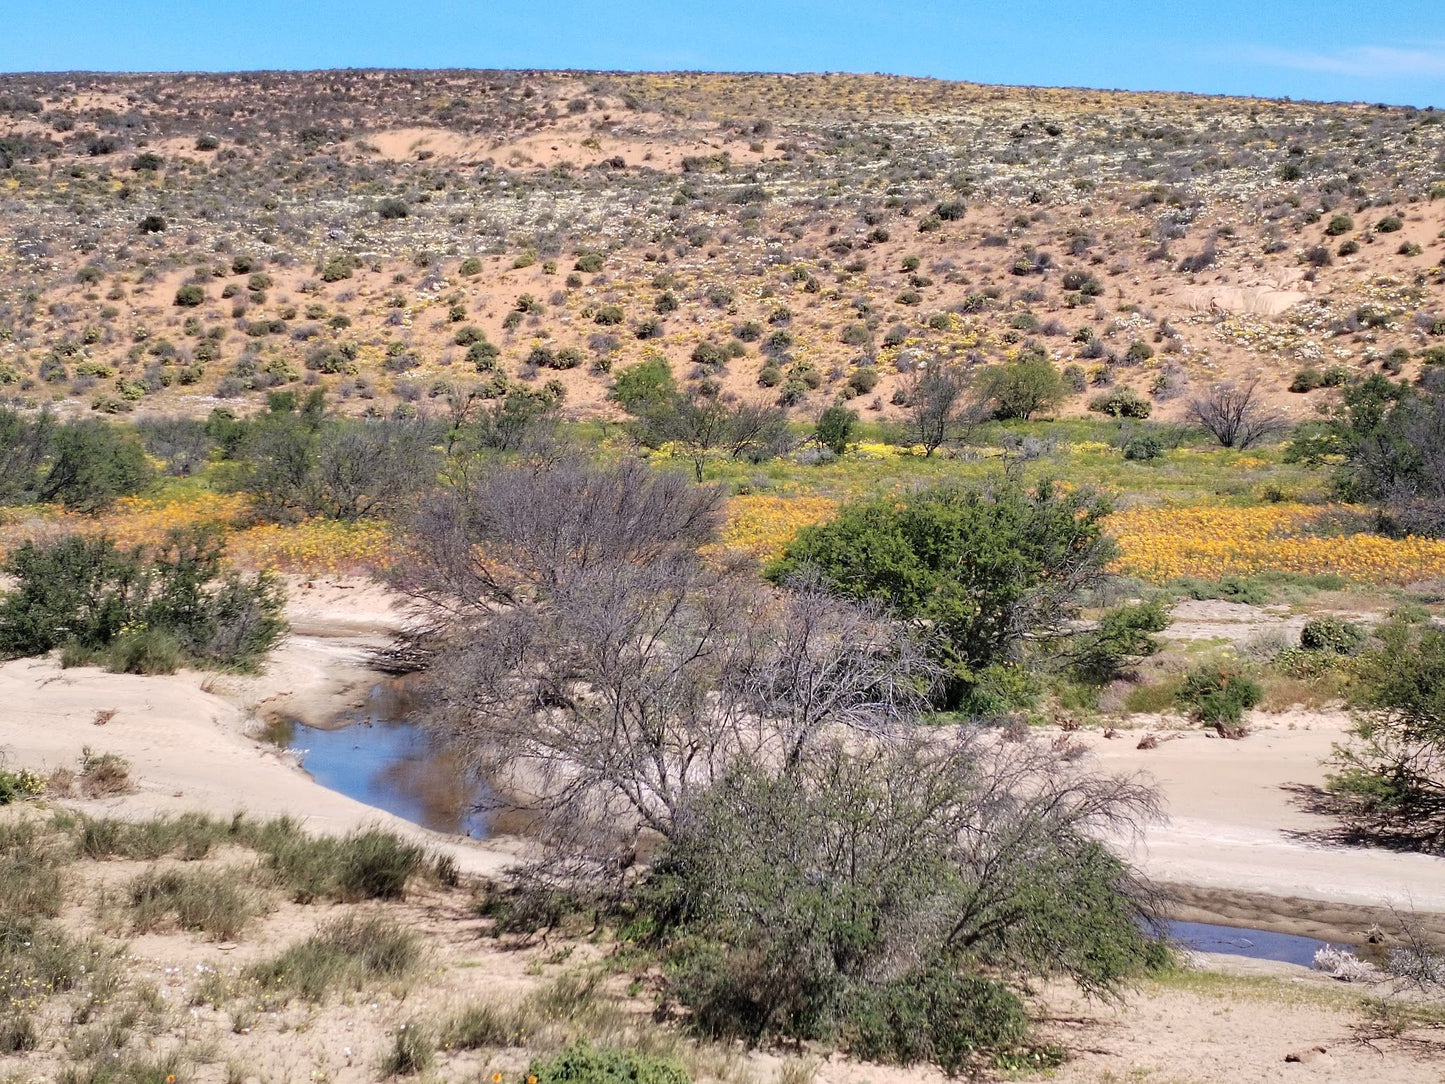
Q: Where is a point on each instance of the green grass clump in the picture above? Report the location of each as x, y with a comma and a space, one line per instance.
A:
485, 1024
345, 955
365, 865
215, 902
32, 877
128, 1068
413, 1050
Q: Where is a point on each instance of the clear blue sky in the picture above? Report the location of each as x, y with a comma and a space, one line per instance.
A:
1370, 50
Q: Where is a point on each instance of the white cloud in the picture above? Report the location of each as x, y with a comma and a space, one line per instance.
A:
1361, 62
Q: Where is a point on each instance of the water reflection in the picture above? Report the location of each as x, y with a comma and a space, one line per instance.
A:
1240, 941
379, 754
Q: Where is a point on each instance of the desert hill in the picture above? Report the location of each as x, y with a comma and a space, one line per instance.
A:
169, 243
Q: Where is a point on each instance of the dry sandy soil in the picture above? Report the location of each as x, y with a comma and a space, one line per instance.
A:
1238, 846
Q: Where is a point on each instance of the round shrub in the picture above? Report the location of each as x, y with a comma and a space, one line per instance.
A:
190, 295
863, 379
1307, 379
1217, 695
1340, 224
1335, 634
1122, 402
1143, 448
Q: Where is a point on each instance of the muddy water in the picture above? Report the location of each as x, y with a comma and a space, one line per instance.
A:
380, 755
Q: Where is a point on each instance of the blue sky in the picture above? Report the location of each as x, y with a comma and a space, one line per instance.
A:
1370, 50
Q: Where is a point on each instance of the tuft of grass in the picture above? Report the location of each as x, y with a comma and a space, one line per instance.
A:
484, 1024
215, 902
365, 865
413, 1050
129, 1068
345, 955
104, 775
32, 880
18, 1033
190, 836
1154, 699
38, 958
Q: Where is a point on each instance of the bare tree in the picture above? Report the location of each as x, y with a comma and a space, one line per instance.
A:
590, 658
1234, 414
938, 406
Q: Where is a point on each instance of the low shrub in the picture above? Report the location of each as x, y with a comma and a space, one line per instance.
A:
1218, 695
1143, 448
585, 1064
1122, 402
145, 611
1336, 634
20, 785
938, 1016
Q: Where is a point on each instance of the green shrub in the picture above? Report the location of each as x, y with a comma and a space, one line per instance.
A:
1022, 388
967, 565
469, 267
835, 428
1138, 352
1217, 695
393, 208
1389, 224
863, 379
1307, 379
1143, 448
589, 262
645, 385
190, 295
1122, 402
1336, 634
147, 610
18, 786
1339, 224
584, 1064
1389, 778
939, 1016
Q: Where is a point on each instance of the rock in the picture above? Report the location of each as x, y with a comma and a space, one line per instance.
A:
1304, 1057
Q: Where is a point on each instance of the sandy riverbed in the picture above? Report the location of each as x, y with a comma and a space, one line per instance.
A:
1238, 846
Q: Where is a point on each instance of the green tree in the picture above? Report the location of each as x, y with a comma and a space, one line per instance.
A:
91, 464
835, 428
977, 570
702, 424
645, 385
1022, 388
1389, 780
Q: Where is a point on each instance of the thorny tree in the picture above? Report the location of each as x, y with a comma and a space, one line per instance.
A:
597, 663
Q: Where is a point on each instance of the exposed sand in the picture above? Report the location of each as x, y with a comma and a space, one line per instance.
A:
1239, 845
188, 738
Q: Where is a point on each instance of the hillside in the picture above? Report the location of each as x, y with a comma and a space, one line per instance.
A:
397, 237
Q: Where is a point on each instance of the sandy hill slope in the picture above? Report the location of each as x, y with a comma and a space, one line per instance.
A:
168, 243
